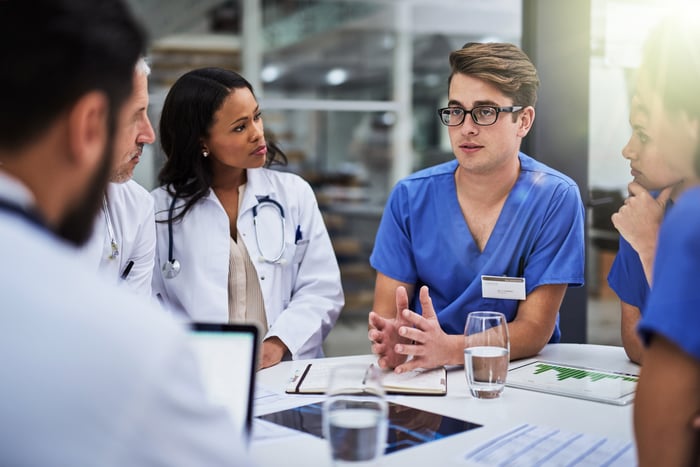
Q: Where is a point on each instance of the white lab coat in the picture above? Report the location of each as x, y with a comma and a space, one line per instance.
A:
303, 297
96, 376
131, 212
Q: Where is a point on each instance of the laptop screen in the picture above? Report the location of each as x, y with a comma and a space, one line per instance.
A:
227, 359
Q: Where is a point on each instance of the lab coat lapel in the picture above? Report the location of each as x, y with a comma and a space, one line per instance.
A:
258, 185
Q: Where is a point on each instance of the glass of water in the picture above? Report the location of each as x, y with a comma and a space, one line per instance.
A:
355, 415
486, 353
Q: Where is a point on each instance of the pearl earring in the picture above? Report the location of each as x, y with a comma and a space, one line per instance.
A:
205, 154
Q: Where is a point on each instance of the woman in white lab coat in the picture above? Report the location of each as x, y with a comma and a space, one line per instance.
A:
236, 240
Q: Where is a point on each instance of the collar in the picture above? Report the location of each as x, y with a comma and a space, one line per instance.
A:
16, 192
16, 198
259, 185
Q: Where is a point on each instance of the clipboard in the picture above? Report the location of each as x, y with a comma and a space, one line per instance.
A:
611, 387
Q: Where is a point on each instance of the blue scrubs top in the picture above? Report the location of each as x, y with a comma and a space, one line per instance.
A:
423, 239
626, 276
672, 309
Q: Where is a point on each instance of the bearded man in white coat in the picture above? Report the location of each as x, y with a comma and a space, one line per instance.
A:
92, 375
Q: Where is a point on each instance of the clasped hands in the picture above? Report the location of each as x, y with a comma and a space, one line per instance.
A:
410, 334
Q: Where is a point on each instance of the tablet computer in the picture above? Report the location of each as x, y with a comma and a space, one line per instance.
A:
227, 356
407, 426
592, 384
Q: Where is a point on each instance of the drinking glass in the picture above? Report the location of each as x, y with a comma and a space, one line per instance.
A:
355, 415
486, 353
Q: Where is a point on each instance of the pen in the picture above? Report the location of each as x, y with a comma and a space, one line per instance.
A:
127, 269
369, 368
297, 235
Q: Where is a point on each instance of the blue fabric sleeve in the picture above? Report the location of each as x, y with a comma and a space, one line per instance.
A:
674, 302
393, 254
558, 253
627, 278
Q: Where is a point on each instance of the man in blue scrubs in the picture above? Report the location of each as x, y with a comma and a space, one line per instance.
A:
668, 394
493, 211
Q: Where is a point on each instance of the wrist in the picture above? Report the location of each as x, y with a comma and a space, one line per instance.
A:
457, 352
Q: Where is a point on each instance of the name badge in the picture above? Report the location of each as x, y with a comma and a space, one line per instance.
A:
512, 288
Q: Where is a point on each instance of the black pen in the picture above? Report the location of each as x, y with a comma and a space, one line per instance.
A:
364, 378
127, 269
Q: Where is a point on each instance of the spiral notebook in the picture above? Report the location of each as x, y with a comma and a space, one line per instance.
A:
313, 379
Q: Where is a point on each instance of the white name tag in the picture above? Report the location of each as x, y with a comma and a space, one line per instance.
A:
512, 288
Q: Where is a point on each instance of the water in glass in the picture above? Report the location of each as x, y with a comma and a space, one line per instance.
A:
486, 353
355, 416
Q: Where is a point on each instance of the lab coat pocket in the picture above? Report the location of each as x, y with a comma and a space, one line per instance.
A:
300, 251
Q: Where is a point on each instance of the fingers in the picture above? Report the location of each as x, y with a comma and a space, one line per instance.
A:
415, 350
401, 299
410, 365
376, 321
382, 362
375, 336
427, 303
635, 189
409, 318
412, 334
379, 348
665, 195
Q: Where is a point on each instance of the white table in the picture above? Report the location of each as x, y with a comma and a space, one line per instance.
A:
513, 408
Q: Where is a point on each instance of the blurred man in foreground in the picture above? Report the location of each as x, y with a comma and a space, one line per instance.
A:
92, 376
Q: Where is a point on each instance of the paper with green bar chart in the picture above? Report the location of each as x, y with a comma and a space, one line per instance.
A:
593, 384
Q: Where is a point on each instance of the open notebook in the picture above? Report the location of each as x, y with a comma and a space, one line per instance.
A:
227, 355
313, 379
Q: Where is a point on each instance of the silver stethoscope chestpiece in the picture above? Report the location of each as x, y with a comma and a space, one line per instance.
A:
171, 269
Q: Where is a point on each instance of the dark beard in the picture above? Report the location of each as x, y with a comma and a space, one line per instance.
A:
76, 226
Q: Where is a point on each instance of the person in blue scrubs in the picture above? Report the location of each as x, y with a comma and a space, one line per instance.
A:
492, 211
655, 186
667, 401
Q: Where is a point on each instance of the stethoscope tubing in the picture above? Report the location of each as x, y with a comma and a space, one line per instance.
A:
278, 257
172, 266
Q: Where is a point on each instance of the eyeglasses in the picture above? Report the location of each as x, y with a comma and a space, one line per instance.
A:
483, 115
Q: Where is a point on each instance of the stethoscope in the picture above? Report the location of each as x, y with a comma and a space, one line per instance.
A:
110, 230
172, 267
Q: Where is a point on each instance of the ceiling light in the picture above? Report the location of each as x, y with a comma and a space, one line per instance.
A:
336, 76
270, 73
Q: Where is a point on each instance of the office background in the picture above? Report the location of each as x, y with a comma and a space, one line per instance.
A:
349, 89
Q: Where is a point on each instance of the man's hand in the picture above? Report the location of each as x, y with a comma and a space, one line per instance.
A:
384, 333
431, 346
